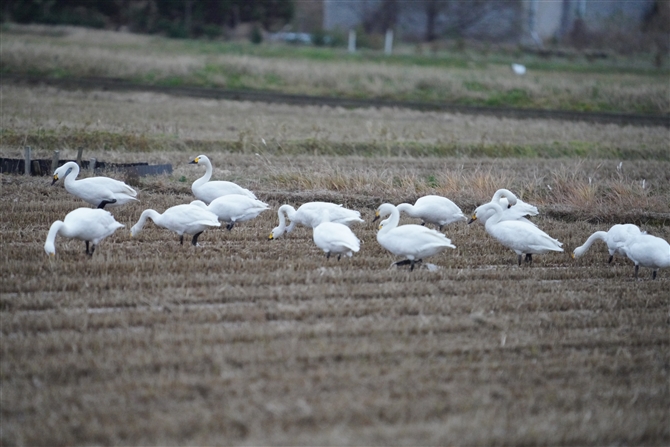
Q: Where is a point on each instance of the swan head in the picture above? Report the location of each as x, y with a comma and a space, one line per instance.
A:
276, 232
50, 249
384, 210
61, 173
199, 159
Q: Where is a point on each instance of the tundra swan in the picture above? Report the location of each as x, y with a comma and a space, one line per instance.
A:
207, 191
98, 191
513, 208
414, 242
234, 208
182, 219
647, 251
435, 210
85, 224
334, 237
310, 214
521, 237
615, 238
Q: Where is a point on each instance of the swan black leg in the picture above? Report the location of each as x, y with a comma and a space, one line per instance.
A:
519, 259
610, 260
403, 262
87, 248
423, 223
637, 268
653, 275
106, 202
92, 250
440, 227
230, 226
328, 255
195, 239
181, 239
340, 255
529, 257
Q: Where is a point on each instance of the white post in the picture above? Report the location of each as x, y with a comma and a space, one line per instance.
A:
26, 160
388, 42
352, 41
91, 164
79, 154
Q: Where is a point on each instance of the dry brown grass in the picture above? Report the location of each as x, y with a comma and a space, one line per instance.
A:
254, 342
247, 341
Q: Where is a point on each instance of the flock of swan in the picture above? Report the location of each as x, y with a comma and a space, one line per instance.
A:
505, 218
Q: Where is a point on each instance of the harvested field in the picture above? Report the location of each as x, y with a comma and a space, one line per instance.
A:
253, 342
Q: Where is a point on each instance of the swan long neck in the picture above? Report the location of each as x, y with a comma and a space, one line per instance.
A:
208, 172
50, 244
506, 193
598, 235
406, 208
72, 176
391, 222
146, 214
496, 216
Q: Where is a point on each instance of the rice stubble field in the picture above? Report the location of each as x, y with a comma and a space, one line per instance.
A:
248, 341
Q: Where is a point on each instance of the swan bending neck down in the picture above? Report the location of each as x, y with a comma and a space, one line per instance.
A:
648, 251
615, 238
413, 242
98, 191
436, 210
311, 214
182, 219
522, 237
86, 224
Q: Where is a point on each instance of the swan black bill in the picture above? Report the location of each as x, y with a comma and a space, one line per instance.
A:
53, 182
194, 242
230, 226
472, 220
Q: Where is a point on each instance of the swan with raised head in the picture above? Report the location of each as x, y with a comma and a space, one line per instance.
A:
647, 251
98, 191
436, 210
86, 224
310, 215
335, 238
615, 238
234, 208
182, 219
207, 191
521, 237
413, 242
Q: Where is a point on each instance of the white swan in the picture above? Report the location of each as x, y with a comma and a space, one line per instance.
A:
85, 224
513, 208
648, 251
182, 219
310, 215
615, 238
436, 210
207, 191
413, 242
333, 237
234, 208
507, 199
522, 237
98, 191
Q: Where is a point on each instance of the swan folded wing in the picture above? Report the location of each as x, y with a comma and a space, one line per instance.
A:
210, 191
105, 183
